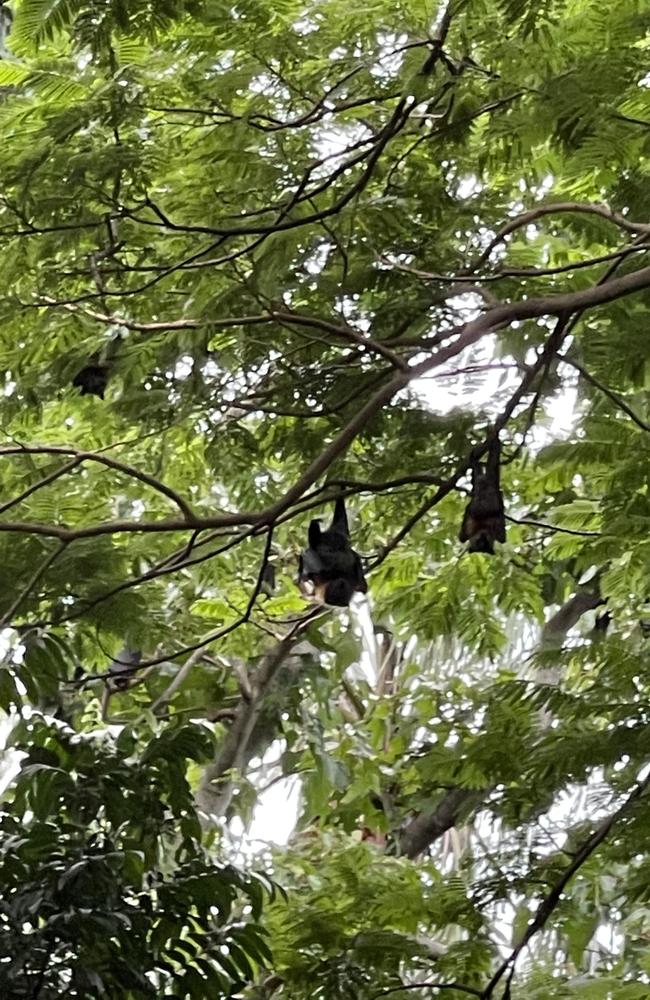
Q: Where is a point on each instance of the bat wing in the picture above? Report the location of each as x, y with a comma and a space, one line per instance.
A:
310, 565
468, 527
314, 534
360, 583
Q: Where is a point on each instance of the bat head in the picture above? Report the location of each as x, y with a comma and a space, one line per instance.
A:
338, 592
482, 541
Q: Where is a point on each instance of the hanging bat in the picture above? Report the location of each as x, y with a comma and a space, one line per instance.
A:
330, 571
92, 380
93, 377
484, 521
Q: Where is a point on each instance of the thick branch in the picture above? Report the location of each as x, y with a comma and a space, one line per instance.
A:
215, 790
426, 828
555, 630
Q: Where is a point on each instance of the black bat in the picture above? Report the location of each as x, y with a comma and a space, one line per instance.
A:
484, 521
93, 377
92, 380
330, 571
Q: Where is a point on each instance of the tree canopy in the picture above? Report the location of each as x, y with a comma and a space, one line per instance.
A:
257, 256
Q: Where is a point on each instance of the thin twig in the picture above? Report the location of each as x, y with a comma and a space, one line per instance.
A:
616, 399
428, 986
178, 679
551, 900
33, 580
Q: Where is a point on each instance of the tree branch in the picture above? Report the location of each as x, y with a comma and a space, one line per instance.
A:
551, 900
422, 831
575, 207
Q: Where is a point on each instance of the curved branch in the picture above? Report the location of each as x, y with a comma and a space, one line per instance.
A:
45, 481
79, 457
575, 207
342, 331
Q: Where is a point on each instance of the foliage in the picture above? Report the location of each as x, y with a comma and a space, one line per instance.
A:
106, 889
324, 248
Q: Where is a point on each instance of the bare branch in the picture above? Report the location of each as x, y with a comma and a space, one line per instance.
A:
45, 481
215, 790
422, 831
178, 680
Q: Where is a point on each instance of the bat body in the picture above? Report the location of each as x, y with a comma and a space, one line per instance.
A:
92, 380
484, 521
330, 570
